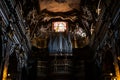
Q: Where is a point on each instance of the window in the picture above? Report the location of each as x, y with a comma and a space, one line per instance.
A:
60, 26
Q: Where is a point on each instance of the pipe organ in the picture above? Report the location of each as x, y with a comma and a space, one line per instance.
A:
63, 40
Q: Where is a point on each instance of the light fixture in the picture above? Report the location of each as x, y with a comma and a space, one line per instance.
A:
111, 74
8, 74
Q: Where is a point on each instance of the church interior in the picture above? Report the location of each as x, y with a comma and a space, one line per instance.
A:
59, 40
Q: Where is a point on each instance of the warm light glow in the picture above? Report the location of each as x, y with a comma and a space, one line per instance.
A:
118, 58
98, 11
55, 6
117, 75
4, 74
59, 26
111, 74
8, 74
114, 79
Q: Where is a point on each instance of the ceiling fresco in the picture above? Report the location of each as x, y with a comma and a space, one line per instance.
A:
77, 13
59, 5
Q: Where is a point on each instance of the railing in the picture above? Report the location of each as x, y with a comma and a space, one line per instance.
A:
42, 68
61, 66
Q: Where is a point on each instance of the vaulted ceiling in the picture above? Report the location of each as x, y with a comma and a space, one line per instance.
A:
40, 14
59, 5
